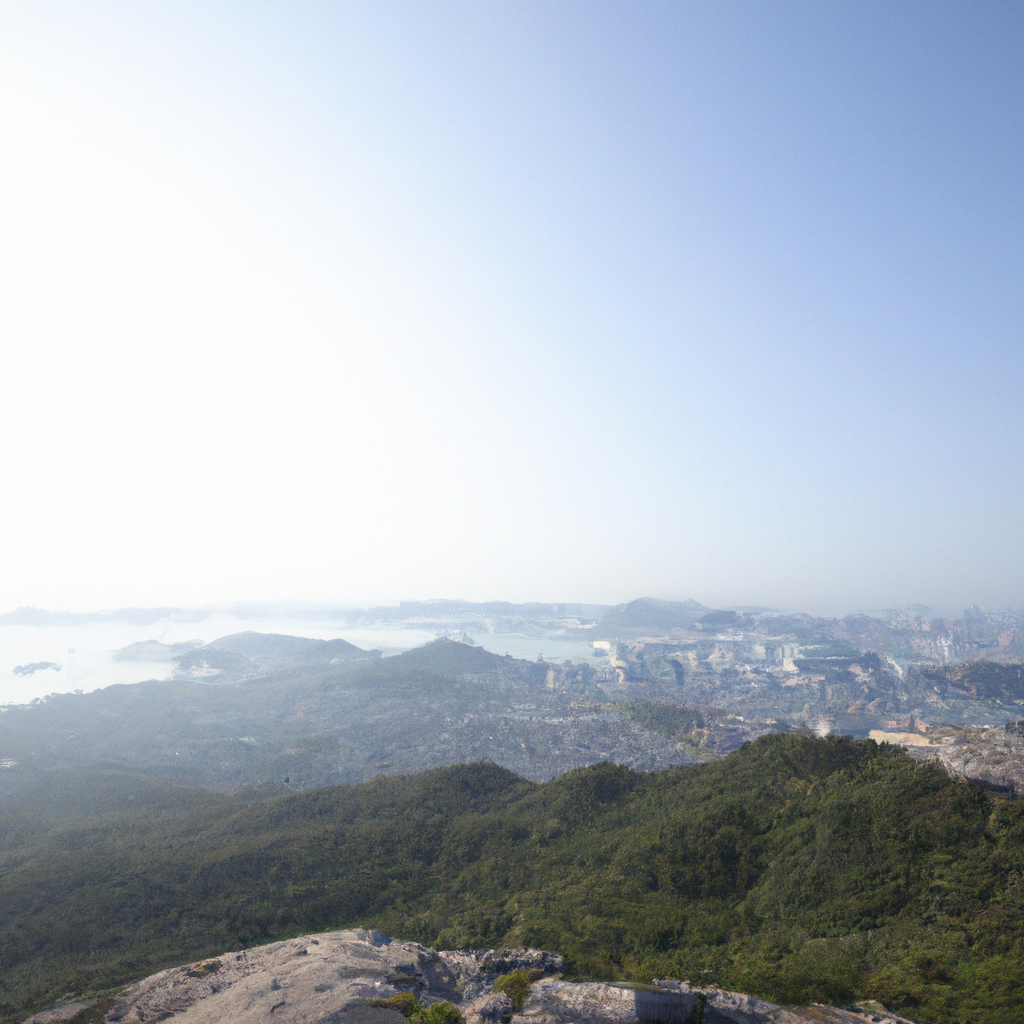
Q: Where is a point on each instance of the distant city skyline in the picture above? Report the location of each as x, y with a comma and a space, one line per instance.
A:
359, 302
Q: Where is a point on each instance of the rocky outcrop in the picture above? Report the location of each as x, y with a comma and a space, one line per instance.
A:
331, 978
63, 1012
492, 1009
994, 758
313, 978
478, 969
559, 1002
335, 978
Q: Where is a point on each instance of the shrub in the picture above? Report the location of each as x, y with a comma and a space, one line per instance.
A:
442, 1013
516, 986
405, 1003
410, 1008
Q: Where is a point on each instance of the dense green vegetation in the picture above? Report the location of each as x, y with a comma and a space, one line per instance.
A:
795, 868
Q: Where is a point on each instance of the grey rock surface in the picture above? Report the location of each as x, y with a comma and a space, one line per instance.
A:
63, 1012
312, 978
478, 969
493, 1008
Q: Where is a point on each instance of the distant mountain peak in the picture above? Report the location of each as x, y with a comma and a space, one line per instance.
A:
450, 657
278, 645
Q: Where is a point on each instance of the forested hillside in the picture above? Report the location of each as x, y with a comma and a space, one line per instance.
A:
795, 868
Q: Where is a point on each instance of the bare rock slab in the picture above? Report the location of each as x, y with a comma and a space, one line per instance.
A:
334, 978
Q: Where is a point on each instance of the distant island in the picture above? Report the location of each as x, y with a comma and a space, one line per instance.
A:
35, 666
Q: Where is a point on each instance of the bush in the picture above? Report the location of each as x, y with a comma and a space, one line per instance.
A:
405, 1003
516, 986
442, 1013
410, 1008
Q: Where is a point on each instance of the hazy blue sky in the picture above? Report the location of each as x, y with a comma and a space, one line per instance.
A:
558, 301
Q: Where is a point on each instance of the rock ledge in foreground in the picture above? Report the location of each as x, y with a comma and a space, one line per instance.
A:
333, 977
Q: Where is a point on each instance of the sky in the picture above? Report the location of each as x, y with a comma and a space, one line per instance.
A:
359, 302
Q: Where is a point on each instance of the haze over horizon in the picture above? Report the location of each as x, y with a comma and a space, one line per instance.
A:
350, 303
299, 611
